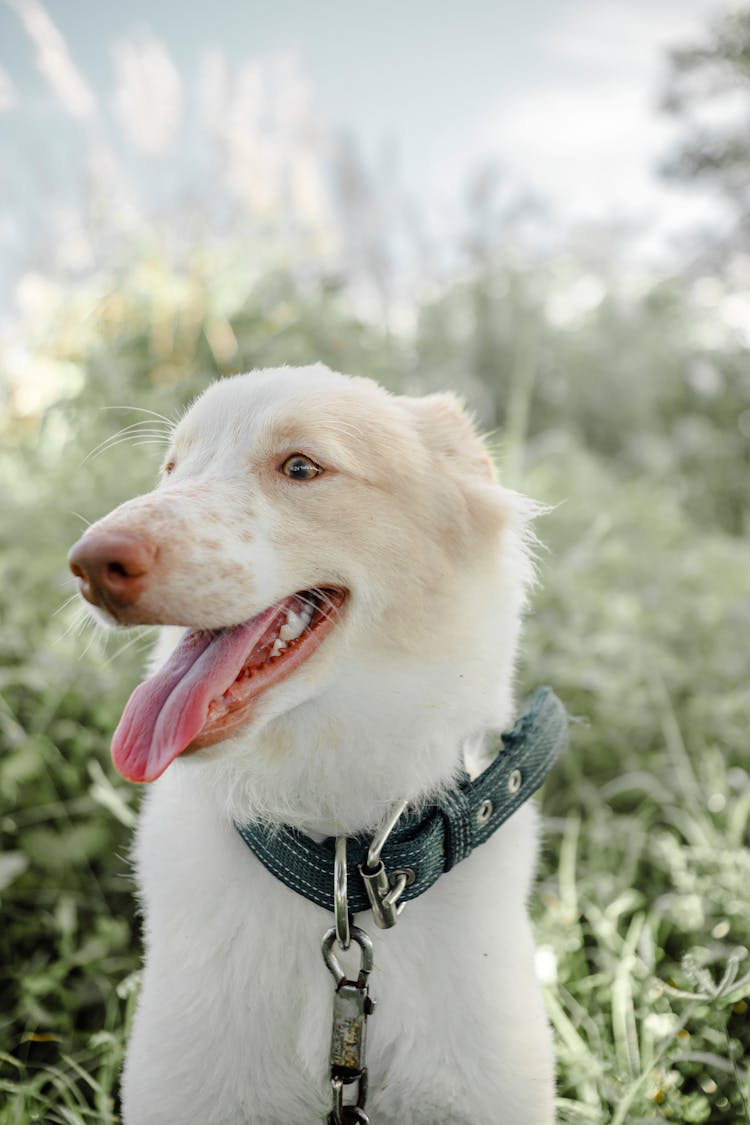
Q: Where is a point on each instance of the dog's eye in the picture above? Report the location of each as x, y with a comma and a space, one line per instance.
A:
299, 467
168, 468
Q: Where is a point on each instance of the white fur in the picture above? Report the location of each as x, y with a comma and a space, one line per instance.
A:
233, 1021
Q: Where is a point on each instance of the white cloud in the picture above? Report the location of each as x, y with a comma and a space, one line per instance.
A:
588, 154
611, 37
589, 140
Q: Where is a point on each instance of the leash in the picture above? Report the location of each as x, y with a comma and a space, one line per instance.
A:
409, 852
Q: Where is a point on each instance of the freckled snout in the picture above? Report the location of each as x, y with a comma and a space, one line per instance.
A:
112, 567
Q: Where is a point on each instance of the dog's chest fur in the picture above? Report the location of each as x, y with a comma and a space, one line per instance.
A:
233, 1025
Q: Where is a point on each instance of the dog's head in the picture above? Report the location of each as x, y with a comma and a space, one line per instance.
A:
305, 524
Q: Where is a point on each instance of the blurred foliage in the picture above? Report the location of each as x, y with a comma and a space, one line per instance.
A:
708, 91
641, 626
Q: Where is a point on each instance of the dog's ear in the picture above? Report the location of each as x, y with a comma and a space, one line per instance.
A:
446, 428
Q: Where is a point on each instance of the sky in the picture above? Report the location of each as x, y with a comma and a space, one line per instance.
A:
559, 95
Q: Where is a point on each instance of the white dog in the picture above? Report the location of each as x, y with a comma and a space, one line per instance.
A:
352, 579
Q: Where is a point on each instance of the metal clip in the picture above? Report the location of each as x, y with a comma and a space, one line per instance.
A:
383, 897
351, 1007
332, 962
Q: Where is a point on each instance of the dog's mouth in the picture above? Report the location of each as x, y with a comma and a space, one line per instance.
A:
209, 685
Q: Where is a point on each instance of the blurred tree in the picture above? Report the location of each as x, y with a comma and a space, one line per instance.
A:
708, 90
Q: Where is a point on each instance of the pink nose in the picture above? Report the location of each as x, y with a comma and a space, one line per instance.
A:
112, 567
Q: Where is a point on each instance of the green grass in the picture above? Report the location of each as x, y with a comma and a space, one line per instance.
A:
640, 623
643, 896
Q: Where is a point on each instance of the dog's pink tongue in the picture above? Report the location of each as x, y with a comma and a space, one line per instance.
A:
164, 714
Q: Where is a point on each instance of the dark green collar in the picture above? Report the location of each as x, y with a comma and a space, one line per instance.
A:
430, 842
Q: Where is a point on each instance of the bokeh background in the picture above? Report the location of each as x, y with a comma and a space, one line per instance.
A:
545, 207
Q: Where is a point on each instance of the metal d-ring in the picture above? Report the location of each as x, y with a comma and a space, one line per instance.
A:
382, 834
340, 899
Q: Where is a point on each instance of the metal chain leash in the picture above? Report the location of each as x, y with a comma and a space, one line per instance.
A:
352, 1003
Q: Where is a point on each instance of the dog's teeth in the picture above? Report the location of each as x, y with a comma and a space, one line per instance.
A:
278, 646
294, 626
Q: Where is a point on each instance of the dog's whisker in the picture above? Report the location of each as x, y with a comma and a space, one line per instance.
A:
94, 634
136, 641
121, 441
143, 410
321, 603
65, 604
76, 627
141, 424
137, 435
135, 431
138, 429
85, 622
